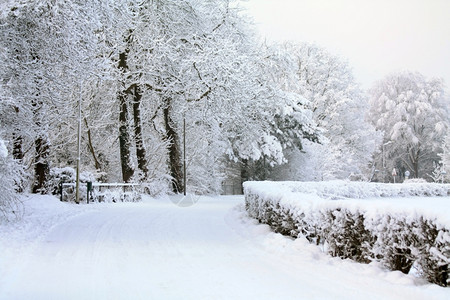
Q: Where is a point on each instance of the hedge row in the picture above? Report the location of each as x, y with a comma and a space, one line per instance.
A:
397, 240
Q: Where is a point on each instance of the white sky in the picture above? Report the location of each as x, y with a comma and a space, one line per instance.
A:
377, 37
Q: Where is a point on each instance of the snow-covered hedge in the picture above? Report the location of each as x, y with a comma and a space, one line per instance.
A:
337, 216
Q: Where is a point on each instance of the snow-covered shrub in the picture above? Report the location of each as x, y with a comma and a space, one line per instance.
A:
345, 234
404, 240
282, 219
58, 175
156, 186
288, 225
397, 239
68, 175
11, 173
434, 253
111, 192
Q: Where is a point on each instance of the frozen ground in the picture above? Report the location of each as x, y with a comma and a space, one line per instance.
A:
158, 250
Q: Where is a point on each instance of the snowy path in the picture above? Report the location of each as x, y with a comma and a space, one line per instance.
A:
156, 250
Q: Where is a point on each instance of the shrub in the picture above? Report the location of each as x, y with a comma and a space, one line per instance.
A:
398, 240
395, 240
68, 175
346, 235
434, 253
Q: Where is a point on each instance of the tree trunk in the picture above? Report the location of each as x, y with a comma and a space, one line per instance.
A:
41, 165
91, 146
124, 140
17, 147
17, 143
416, 169
415, 163
18, 155
42, 150
175, 166
140, 149
124, 135
245, 175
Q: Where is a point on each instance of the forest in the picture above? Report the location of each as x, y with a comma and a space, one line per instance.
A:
162, 90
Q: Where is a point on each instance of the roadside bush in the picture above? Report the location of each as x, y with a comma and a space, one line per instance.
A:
397, 240
346, 235
68, 175
434, 253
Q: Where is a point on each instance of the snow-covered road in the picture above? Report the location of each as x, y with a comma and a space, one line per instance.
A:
211, 250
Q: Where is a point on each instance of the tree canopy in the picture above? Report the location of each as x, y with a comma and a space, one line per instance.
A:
157, 81
413, 114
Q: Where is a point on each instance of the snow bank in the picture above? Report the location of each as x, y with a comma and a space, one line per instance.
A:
348, 220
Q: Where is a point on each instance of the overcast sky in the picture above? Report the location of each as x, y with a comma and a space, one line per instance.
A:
377, 37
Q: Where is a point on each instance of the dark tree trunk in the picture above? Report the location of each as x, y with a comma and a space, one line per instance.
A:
140, 149
42, 150
17, 147
416, 169
17, 143
245, 176
41, 165
124, 135
175, 166
91, 146
416, 164
124, 140
18, 155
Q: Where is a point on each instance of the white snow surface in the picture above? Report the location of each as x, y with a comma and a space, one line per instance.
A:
157, 250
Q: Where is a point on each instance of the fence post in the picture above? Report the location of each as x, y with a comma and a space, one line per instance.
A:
89, 188
61, 190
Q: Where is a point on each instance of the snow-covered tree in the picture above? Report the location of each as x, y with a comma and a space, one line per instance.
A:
284, 108
208, 72
47, 52
139, 74
413, 114
445, 158
136, 63
338, 107
171, 69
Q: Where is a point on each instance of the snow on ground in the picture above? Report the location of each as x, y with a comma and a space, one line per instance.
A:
158, 250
